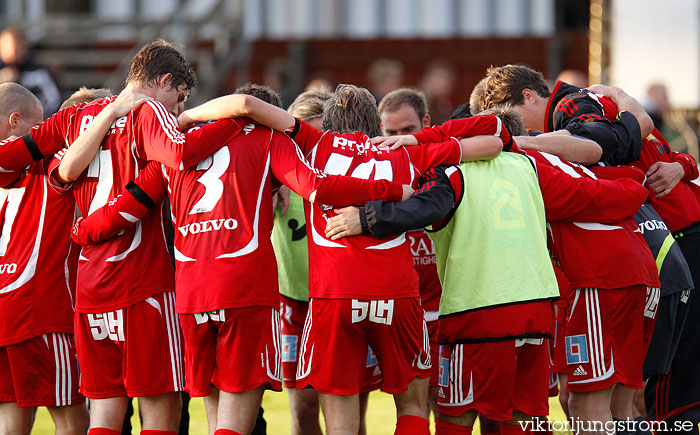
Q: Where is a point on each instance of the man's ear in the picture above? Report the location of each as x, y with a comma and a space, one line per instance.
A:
14, 119
528, 95
164, 80
426, 120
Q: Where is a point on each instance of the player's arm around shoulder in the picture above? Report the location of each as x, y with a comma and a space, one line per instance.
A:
140, 195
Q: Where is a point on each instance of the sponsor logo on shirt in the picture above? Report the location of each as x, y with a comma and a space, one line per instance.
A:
8, 268
358, 147
651, 225
116, 127
209, 225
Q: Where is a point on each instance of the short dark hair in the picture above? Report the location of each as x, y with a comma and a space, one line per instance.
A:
505, 85
352, 109
265, 93
158, 58
398, 97
462, 111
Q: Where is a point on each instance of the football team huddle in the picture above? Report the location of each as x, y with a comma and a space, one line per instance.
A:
542, 242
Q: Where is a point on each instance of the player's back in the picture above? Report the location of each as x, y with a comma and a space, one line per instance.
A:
222, 216
37, 270
611, 255
360, 266
130, 268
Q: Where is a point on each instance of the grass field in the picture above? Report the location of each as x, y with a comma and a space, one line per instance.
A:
381, 416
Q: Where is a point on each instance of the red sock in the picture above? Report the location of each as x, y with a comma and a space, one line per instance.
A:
158, 432
444, 428
412, 425
103, 431
226, 432
512, 429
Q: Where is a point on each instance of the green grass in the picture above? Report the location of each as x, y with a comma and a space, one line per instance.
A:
381, 416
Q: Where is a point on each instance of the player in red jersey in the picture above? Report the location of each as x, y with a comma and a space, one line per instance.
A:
112, 347
222, 203
405, 111
347, 280
37, 288
388, 219
671, 390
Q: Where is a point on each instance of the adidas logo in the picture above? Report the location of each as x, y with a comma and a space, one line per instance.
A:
441, 394
377, 371
580, 371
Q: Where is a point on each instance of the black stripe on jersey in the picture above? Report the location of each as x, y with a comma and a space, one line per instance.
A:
295, 130
140, 195
32, 147
509, 145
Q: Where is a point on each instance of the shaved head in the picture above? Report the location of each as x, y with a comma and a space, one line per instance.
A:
20, 110
16, 98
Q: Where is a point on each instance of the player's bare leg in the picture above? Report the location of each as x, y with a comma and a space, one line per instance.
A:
342, 413
304, 407
432, 401
622, 403
412, 406
15, 420
414, 401
238, 411
364, 401
591, 410
465, 420
70, 420
108, 413
564, 394
211, 406
161, 412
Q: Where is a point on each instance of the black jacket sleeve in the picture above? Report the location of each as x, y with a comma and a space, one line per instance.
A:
620, 140
433, 200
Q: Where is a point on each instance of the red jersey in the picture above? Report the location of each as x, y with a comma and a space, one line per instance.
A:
425, 264
601, 255
681, 207
37, 258
222, 215
363, 267
129, 269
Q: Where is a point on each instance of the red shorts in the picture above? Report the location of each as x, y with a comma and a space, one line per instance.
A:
494, 379
337, 332
134, 351
293, 315
221, 350
557, 346
433, 327
607, 334
41, 371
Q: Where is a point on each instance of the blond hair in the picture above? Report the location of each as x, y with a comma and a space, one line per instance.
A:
85, 95
309, 104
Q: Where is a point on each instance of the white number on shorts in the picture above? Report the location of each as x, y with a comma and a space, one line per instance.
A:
379, 311
216, 316
216, 164
652, 303
13, 197
103, 325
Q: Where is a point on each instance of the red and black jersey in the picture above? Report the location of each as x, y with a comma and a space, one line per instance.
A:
582, 114
222, 215
37, 259
681, 207
362, 266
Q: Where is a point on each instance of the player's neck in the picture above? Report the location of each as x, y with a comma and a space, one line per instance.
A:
148, 90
